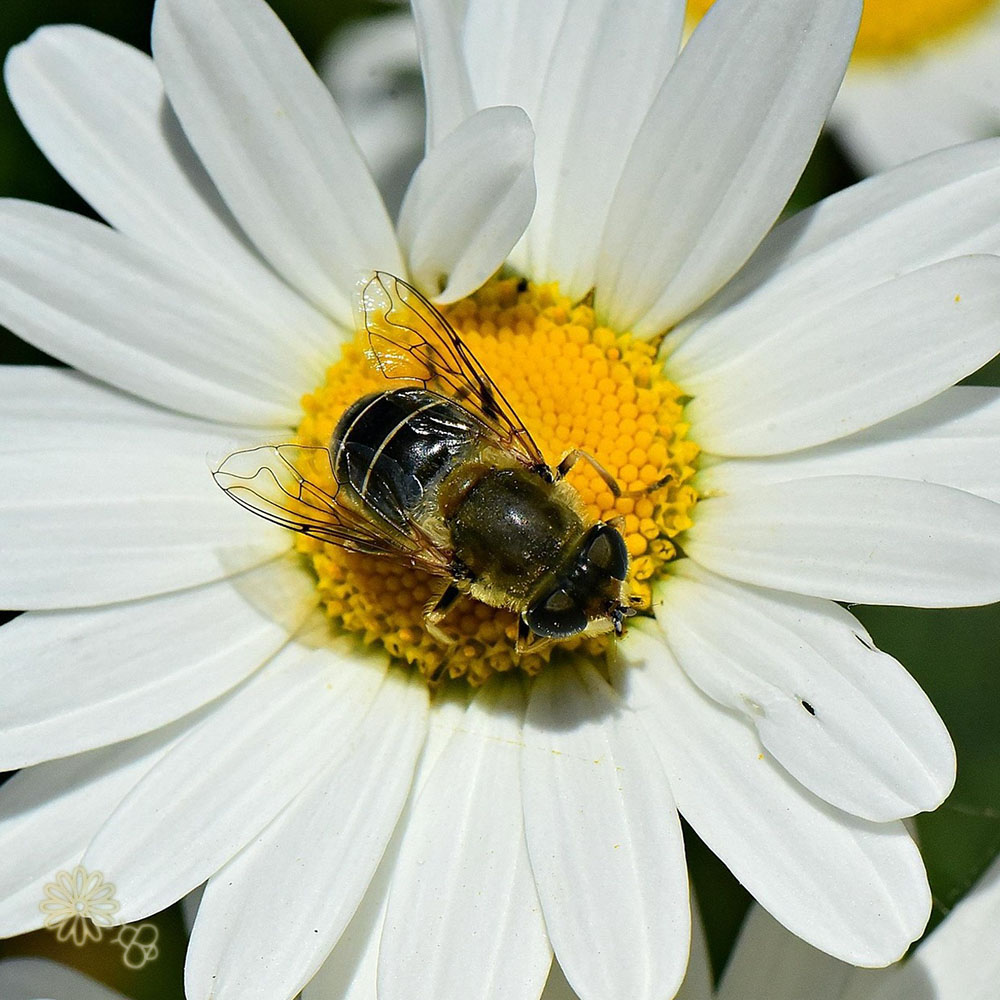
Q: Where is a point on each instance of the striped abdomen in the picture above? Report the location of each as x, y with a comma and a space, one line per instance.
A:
390, 449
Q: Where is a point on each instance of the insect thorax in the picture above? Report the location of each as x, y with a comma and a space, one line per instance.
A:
511, 530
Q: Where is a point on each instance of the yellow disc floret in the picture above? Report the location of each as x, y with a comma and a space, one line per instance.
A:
899, 27
575, 385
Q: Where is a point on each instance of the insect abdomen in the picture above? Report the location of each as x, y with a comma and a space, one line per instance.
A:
390, 449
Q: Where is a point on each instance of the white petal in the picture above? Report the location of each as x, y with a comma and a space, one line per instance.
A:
313, 863
373, 71
350, 972
229, 777
448, 91
507, 47
275, 145
819, 375
939, 207
49, 813
604, 840
959, 960
96, 108
951, 440
852, 888
769, 963
80, 528
46, 409
28, 978
136, 319
855, 538
869, 741
463, 916
468, 203
610, 60
73, 680
719, 154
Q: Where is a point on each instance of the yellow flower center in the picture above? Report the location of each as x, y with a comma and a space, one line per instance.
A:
898, 27
574, 384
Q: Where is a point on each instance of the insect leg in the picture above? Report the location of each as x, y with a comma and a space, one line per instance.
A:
523, 636
562, 470
651, 488
438, 610
528, 640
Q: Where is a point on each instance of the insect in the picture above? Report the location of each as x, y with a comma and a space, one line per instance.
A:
441, 474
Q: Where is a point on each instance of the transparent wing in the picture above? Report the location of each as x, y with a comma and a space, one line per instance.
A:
410, 340
279, 483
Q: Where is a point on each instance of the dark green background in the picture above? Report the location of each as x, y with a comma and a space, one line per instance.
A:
953, 654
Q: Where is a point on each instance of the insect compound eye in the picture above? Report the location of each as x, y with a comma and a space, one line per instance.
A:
605, 549
556, 615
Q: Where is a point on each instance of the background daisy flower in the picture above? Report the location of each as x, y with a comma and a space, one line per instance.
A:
927, 77
175, 693
924, 75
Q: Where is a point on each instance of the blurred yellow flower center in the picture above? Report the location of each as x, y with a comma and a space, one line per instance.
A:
575, 384
898, 27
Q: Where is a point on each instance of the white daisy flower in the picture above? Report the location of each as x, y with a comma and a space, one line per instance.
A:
196, 695
925, 74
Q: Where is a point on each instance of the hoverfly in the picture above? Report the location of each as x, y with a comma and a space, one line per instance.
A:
441, 474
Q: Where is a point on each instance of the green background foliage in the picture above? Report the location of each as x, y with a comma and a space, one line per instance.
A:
953, 654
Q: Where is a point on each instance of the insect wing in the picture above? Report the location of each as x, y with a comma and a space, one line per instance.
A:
278, 483
410, 340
